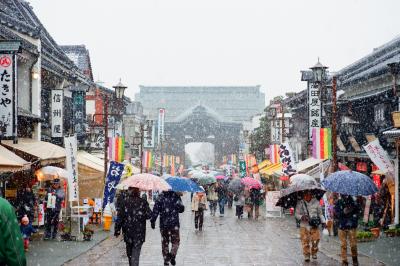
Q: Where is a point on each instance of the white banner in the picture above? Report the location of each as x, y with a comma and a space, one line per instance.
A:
161, 120
380, 157
149, 137
314, 107
57, 113
72, 167
6, 93
287, 159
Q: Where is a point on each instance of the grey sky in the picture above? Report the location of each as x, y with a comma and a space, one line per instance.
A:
219, 42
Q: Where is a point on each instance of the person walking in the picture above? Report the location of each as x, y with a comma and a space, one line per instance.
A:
347, 211
199, 205
239, 200
133, 212
168, 205
55, 197
255, 202
11, 244
309, 212
26, 231
222, 195
212, 197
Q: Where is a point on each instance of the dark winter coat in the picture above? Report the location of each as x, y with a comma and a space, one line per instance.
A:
255, 197
27, 230
222, 190
168, 205
132, 216
347, 212
11, 244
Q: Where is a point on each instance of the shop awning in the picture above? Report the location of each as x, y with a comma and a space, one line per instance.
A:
10, 162
46, 152
263, 164
307, 164
392, 133
91, 161
269, 170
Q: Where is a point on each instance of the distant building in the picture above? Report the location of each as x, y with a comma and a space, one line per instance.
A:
233, 104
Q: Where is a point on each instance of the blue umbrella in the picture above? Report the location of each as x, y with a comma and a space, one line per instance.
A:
350, 183
183, 184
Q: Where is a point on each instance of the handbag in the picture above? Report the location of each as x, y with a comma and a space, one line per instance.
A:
315, 221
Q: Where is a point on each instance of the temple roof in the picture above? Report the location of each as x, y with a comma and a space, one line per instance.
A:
80, 56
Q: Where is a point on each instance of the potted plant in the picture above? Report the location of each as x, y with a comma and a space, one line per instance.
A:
87, 234
391, 232
66, 234
364, 236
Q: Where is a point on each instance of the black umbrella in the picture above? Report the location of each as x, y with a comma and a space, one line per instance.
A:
290, 195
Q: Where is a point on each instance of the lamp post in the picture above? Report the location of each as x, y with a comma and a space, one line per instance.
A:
319, 73
119, 95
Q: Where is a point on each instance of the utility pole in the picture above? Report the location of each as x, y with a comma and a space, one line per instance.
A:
283, 124
161, 155
141, 146
105, 121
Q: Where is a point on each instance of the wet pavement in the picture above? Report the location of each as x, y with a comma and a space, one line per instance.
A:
224, 241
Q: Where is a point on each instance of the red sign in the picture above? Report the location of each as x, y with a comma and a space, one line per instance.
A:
361, 167
5, 61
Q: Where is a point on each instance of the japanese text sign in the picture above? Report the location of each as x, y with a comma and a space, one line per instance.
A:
113, 177
57, 113
314, 107
287, 160
6, 93
380, 157
161, 120
149, 135
72, 167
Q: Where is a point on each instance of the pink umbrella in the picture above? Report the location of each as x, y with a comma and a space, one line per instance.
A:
146, 182
250, 182
220, 177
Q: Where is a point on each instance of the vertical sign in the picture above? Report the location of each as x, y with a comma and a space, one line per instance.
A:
161, 119
149, 136
57, 113
287, 161
113, 177
380, 158
79, 112
72, 167
7, 90
314, 107
242, 168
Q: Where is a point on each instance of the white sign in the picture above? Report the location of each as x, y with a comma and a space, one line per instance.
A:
6, 93
287, 159
380, 157
161, 120
149, 137
314, 107
98, 202
271, 199
72, 167
57, 113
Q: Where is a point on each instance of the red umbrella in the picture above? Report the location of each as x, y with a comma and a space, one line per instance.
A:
250, 182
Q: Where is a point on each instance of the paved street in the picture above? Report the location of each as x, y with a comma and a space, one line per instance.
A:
224, 241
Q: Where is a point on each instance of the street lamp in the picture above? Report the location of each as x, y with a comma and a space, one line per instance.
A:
319, 71
119, 90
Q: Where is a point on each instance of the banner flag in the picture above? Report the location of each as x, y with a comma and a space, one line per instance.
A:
322, 143
287, 160
113, 176
274, 153
70, 144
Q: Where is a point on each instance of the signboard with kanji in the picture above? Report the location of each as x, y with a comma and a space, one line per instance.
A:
72, 167
7, 106
242, 168
161, 120
314, 107
149, 136
79, 112
57, 113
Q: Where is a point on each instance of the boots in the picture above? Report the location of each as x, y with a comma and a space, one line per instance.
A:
355, 261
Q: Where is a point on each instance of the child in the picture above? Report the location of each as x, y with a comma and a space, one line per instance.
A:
26, 230
199, 204
239, 202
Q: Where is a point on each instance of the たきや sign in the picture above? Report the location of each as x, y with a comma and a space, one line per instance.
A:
7, 99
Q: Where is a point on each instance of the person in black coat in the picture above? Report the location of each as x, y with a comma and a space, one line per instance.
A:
132, 216
168, 205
